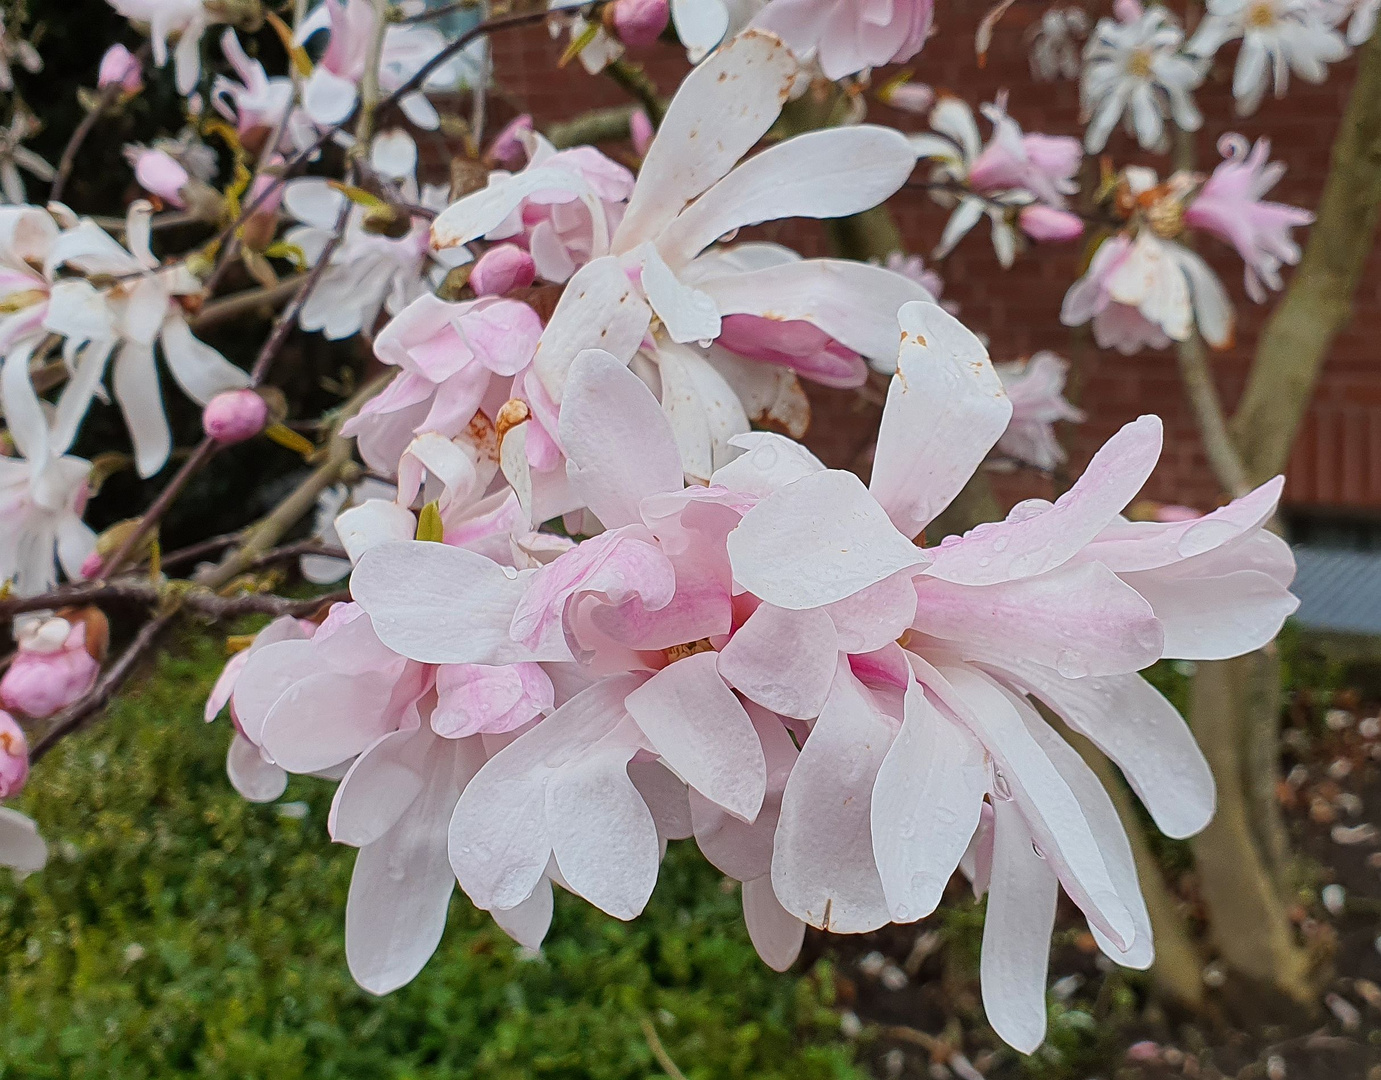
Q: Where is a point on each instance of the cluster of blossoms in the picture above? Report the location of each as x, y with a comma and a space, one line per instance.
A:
600, 598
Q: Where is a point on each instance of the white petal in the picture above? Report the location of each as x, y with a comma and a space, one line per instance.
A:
255, 779
21, 848
687, 313
816, 541
783, 660
136, 389
776, 934
945, 410
200, 370
598, 309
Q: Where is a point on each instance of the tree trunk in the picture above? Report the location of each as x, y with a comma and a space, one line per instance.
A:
1318, 302
1247, 920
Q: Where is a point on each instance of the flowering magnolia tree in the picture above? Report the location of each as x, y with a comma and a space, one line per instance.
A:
592, 595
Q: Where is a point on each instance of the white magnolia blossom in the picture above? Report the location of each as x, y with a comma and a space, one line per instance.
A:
183, 21
368, 272
15, 50
14, 157
1278, 36
1134, 71
1054, 42
128, 318
21, 848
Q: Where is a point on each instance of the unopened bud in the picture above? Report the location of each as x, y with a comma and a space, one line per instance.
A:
159, 173
1128, 11
508, 148
501, 269
120, 67
638, 23
234, 416
640, 131
51, 670
1048, 225
262, 224
14, 757
912, 97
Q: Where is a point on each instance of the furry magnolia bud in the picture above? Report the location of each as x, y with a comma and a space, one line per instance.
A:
234, 416
502, 268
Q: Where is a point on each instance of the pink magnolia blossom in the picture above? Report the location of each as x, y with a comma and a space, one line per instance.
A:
849, 36
1048, 225
1230, 205
257, 105
508, 149
1035, 388
234, 416
120, 67
53, 668
1145, 292
501, 269
451, 356
639, 23
14, 761
159, 173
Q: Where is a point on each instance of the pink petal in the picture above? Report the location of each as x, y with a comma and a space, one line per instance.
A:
783, 660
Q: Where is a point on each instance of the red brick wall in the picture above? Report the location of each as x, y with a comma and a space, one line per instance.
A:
1337, 462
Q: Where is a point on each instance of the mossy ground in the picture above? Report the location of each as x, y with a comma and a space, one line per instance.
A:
180, 931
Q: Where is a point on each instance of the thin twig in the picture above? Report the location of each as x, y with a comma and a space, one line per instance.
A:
297, 550
197, 599
245, 301
654, 1043
108, 96
1202, 392
205, 450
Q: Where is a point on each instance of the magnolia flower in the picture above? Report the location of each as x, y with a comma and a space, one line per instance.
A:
1230, 206
501, 269
849, 36
128, 318
15, 51
234, 416
1035, 387
914, 267
1361, 16
1134, 71
13, 157
1054, 43
369, 271
1145, 292
257, 105
27, 234
120, 67
158, 173
185, 20
1278, 36
452, 357
55, 665
1013, 171
332, 90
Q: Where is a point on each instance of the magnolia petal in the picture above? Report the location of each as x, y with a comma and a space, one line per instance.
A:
1016, 933
817, 541
1218, 617
599, 309
257, 780
702, 733
769, 461
528, 922
200, 370
461, 617
776, 934
823, 869
136, 389
925, 807
783, 660
830, 173
619, 444
324, 719
1079, 620
723, 107
945, 410
1128, 719
602, 832
21, 848
379, 787
687, 313
1026, 545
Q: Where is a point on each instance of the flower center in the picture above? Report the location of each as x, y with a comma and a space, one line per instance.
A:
1139, 64
689, 648
1261, 16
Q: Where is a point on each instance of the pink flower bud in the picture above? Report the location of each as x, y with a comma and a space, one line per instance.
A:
1173, 512
640, 131
912, 97
51, 670
1128, 11
508, 148
91, 566
159, 174
639, 23
501, 269
1048, 225
234, 416
120, 67
14, 757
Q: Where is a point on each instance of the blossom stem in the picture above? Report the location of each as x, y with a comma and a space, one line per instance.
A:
108, 96
196, 599
1223, 457
635, 80
205, 450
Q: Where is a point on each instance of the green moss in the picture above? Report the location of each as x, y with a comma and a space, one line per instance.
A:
180, 931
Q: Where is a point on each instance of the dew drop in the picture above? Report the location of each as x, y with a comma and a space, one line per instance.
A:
1000, 544
984, 561
1071, 665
